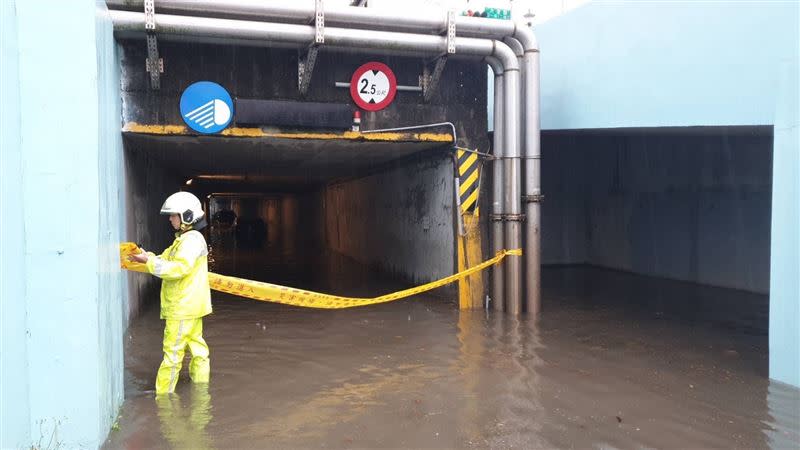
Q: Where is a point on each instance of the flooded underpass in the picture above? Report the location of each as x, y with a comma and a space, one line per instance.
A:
616, 360
593, 372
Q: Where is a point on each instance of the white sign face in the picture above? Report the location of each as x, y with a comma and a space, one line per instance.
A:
373, 86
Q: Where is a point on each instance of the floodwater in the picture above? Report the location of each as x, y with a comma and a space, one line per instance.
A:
616, 361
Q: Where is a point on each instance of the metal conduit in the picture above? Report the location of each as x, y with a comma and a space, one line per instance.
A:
245, 31
533, 191
498, 274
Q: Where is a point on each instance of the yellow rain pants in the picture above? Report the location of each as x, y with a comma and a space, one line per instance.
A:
178, 334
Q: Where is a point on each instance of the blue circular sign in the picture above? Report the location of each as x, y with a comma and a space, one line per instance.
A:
206, 107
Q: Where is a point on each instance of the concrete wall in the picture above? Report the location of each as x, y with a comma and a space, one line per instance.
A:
62, 152
784, 332
15, 429
268, 73
112, 304
400, 221
655, 64
684, 204
271, 74
147, 185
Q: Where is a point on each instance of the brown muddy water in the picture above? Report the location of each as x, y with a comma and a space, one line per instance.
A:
616, 361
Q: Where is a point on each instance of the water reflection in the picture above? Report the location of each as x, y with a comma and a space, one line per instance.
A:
616, 361
782, 427
185, 427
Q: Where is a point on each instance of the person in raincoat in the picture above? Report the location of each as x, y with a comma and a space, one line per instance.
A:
185, 293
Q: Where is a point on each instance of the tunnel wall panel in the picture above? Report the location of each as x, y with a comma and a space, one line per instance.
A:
680, 204
147, 185
400, 221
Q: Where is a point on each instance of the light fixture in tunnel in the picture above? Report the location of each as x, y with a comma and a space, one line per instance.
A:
223, 177
189, 181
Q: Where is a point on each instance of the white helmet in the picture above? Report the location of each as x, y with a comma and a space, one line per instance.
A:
186, 205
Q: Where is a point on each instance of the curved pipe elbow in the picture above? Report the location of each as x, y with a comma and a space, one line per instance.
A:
526, 37
505, 55
515, 45
495, 64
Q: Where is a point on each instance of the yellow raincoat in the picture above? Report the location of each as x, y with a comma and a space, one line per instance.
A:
185, 300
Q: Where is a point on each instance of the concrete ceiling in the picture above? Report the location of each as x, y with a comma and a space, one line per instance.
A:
271, 161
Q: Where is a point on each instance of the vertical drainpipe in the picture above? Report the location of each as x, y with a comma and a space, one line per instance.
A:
498, 279
532, 153
512, 203
516, 47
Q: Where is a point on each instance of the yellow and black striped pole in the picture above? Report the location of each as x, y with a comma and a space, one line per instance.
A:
468, 167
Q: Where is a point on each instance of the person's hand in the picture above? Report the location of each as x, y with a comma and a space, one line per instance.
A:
140, 258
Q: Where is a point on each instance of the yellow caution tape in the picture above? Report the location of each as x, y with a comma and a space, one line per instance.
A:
268, 292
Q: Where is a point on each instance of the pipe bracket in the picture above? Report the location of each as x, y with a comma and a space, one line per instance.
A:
534, 198
319, 22
305, 68
154, 65
451, 31
430, 80
507, 217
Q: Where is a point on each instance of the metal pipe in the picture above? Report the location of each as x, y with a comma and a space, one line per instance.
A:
511, 192
518, 50
533, 182
346, 84
424, 20
498, 274
130, 24
418, 127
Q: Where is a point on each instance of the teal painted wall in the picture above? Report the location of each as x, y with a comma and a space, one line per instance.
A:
113, 296
784, 302
629, 64
15, 410
612, 64
68, 159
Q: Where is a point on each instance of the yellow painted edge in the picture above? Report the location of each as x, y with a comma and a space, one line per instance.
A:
464, 301
133, 127
470, 288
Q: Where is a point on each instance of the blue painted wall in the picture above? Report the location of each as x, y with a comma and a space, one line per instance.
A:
15, 413
653, 64
65, 159
784, 302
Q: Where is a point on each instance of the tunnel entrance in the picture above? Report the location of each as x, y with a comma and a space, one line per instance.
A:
662, 225
283, 208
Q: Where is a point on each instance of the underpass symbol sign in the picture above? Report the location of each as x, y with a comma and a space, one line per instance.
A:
206, 107
373, 86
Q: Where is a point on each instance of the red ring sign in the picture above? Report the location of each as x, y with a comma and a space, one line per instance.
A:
373, 86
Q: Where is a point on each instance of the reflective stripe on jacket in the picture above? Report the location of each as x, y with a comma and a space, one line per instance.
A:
183, 267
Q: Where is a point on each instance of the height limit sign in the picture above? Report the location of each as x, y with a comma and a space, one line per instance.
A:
373, 86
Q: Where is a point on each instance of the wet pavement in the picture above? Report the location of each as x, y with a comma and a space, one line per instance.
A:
616, 361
